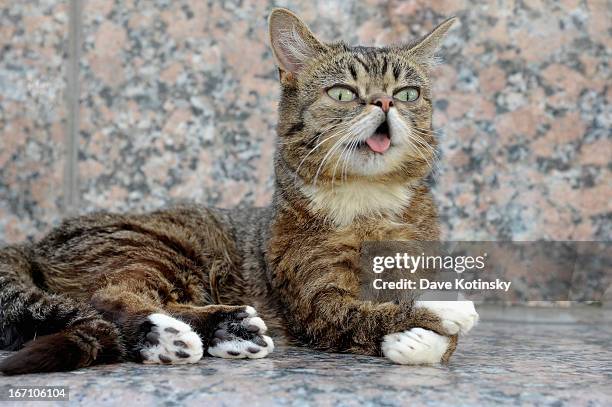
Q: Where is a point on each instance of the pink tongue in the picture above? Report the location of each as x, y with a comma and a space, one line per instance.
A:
379, 142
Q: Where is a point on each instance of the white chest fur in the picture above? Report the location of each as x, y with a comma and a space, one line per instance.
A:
345, 202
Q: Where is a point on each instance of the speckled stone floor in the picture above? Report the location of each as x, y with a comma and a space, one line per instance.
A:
522, 357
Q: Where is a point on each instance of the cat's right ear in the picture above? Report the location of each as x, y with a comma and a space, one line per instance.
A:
293, 44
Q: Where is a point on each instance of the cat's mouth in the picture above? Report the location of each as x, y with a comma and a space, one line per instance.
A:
380, 141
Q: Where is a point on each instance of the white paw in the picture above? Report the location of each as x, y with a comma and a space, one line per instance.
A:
239, 348
171, 341
417, 346
458, 317
240, 338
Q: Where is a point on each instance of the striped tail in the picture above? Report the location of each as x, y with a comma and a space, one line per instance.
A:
50, 332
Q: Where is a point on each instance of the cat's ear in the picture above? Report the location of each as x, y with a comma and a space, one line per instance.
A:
425, 49
293, 44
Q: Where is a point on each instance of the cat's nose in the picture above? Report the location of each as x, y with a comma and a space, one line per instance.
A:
383, 101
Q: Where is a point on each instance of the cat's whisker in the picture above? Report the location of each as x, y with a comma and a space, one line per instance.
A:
348, 151
298, 140
324, 129
416, 143
338, 160
426, 132
312, 150
346, 160
338, 143
424, 135
418, 150
419, 140
359, 128
412, 131
354, 145
437, 132
350, 129
347, 133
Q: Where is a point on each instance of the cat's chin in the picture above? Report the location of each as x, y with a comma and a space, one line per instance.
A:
369, 163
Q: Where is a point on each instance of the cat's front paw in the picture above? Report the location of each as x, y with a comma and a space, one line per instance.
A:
416, 346
240, 336
457, 317
170, 341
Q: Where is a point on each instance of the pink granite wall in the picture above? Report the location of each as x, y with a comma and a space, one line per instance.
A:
177, 100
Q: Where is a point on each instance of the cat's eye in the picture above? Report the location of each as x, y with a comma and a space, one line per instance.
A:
341, 93
407, 94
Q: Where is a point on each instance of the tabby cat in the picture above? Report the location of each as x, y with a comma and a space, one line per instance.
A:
355, 143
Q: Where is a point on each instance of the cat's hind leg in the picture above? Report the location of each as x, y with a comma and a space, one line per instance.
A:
242, 338
170, 341
232, 332
149, 334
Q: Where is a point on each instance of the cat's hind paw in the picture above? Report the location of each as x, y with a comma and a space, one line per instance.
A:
416, 346
241, 336
170, 341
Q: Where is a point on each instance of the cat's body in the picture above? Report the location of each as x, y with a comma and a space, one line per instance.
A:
110, 287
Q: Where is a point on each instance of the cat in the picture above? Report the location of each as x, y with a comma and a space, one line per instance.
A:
355, 144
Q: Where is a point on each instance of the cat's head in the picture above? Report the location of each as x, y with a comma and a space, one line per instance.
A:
353, 112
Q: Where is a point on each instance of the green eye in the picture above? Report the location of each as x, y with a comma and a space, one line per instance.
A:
407, 95
341, 93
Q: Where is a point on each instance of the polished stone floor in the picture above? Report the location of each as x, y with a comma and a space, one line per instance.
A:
523, 357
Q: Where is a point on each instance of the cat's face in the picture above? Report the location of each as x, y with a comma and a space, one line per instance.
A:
353, 112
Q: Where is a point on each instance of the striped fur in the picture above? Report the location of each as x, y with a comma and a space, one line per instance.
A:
27, 312
84, 294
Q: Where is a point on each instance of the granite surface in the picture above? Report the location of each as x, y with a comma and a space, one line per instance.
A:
178, 100
32, 116
512, 358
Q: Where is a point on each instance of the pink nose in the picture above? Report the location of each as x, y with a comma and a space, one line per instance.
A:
384, 102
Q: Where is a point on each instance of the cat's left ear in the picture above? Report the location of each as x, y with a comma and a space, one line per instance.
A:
293, 44
425, 49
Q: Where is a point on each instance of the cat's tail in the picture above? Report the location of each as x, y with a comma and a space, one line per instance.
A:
50, 332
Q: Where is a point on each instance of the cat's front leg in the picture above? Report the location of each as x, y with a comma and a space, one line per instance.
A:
332, 318
418, 346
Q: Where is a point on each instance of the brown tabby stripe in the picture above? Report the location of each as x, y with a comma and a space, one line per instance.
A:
84, 293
